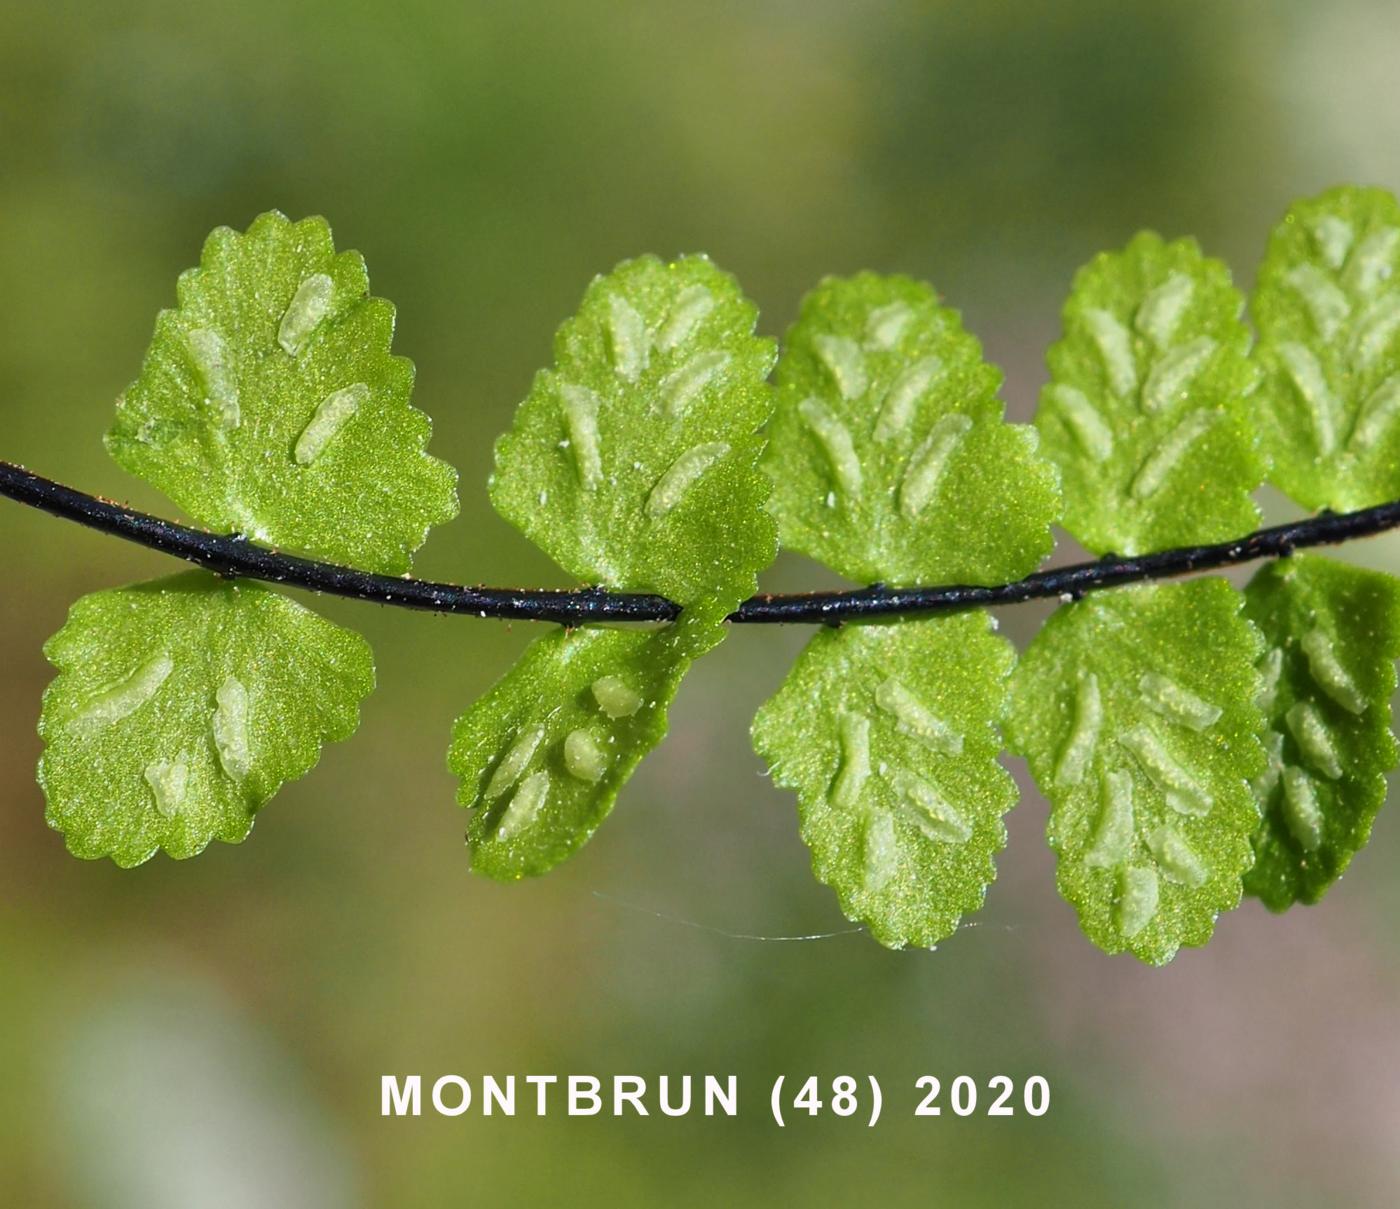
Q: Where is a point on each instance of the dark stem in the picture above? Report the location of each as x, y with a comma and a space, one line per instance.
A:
236, 557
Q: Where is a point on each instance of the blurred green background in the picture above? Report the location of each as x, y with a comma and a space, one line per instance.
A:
212, 1033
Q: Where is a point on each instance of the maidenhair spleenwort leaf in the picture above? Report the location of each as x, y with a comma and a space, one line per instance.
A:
544, 753
269, 403
891, 462
632, 461
180, 707
1328, 310
1333, 634
888, 735
1136, 712
888, 452
1146, 411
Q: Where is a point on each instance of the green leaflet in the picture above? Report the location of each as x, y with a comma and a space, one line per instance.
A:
891, 462
632, 461
633, 464
269, 405
889, 456
180, 707
888, 735
1333, 634
1136, 712
544, 753
1146, 411
1328, 310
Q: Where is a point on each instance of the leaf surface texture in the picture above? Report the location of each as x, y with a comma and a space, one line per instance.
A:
1328, 311
1327, 675
889, 454
1146, 413
181, 706
269, 404
1136, 712
888, 735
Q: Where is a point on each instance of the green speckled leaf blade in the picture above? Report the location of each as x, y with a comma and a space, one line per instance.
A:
544, 753
1334, 633
632, 462
888, 451
1136, 712
1146, 413
888, 735
181, 706
294, 431
1327, 306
